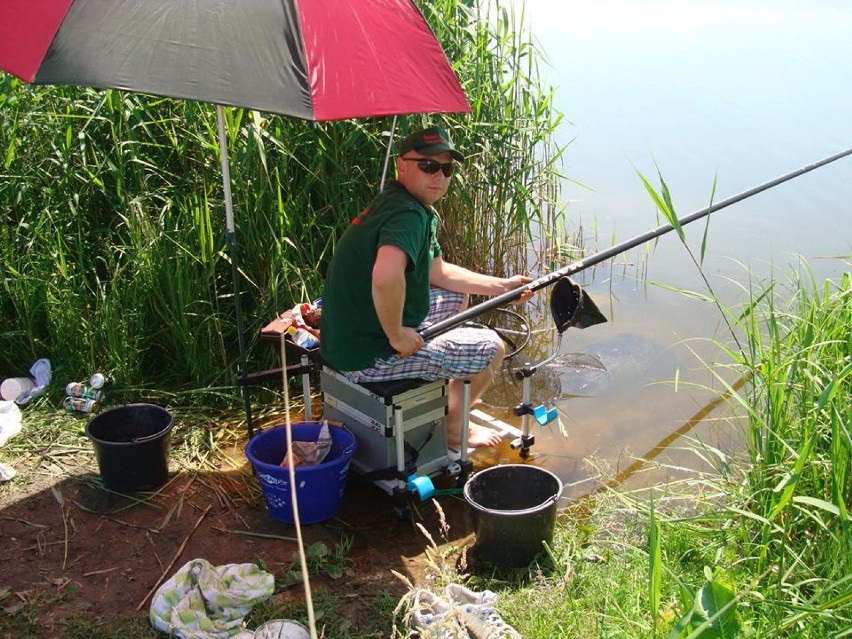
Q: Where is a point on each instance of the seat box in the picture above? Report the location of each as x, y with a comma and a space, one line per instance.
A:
368, 411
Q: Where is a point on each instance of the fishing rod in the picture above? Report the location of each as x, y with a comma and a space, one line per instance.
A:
597, 258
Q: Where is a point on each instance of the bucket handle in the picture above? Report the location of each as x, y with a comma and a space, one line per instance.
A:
550, 499
146, 438
546, 502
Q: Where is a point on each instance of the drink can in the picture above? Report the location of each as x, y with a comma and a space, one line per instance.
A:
79, 389
81, 405
99, 380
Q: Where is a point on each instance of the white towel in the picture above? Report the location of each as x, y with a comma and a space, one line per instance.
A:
202, 601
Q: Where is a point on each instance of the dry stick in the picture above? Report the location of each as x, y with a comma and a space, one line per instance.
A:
154, 549
134, 501
249, 533
57, 494
99, 572
306, 581
218, 491
185, 489
175, 508
24, 521
241, 518
39, 547
177, 554
121, 522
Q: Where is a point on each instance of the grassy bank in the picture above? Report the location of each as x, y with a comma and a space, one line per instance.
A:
759, 547
762, 546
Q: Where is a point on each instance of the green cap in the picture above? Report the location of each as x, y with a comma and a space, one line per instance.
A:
431, 141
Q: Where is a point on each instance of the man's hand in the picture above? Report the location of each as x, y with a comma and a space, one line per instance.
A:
407, 342
517, 281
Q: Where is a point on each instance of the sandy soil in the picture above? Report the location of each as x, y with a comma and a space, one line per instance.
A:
77, 549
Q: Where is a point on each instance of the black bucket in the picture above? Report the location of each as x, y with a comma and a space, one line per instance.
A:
514, 512
132, 446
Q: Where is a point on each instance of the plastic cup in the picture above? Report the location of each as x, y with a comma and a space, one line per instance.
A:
13, 387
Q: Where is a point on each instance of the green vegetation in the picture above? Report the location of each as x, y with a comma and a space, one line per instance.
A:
112, 250
761, 547
112, 220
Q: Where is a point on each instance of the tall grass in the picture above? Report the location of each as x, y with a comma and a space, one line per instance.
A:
781, 531
755, 546
508, 196
799, 484
784, 534
111, 210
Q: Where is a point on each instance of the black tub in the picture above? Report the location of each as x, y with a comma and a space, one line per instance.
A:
514, 512
132, 446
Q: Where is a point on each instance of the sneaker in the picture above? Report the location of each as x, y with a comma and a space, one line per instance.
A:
433, 618
479, 613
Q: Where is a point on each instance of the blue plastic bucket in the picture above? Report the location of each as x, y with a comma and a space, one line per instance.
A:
319, 488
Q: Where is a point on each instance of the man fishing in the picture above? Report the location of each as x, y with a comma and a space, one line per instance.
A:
388, 280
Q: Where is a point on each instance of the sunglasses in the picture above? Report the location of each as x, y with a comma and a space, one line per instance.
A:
431, 167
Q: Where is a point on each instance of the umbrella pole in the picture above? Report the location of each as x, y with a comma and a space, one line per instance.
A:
231, 239
387, 156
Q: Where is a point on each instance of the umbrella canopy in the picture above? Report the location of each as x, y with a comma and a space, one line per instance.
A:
313, 59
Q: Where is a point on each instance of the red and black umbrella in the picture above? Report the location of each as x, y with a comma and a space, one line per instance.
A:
313, 59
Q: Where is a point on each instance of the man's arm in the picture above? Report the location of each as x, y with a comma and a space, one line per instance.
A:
453, 277
388, 291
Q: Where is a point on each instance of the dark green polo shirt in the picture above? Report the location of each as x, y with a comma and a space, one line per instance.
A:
351, 335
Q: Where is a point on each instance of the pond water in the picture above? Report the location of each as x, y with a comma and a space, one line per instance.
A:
735, 93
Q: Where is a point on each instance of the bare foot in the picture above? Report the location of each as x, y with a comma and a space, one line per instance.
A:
478, 436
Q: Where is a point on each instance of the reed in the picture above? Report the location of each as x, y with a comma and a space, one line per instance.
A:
781, 528
111, 210
507, 197
755, 546
799, 484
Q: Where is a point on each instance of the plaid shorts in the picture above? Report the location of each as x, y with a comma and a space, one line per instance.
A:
455, 354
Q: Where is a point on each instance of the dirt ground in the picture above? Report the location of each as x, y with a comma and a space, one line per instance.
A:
74, 548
